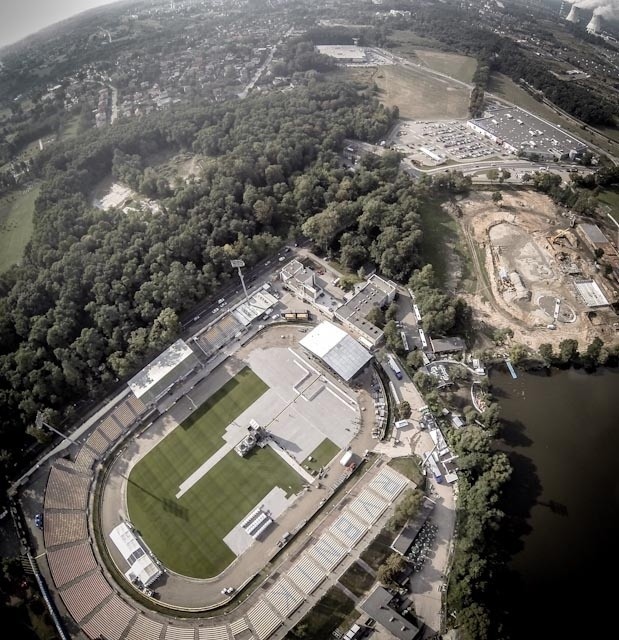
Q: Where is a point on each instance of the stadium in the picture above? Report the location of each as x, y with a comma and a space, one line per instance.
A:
200, 474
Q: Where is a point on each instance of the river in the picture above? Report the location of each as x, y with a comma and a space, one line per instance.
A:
562, 436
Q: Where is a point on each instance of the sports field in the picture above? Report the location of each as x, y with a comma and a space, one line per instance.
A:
186, 534
16, 211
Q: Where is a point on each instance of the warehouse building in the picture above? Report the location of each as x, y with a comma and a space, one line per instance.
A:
521, 132
339, 351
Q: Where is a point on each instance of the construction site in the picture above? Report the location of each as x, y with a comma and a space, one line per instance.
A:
537, 270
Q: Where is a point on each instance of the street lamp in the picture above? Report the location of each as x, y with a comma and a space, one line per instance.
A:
40, 422
238, 264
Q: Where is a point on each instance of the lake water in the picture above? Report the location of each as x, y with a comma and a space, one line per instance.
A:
562, 436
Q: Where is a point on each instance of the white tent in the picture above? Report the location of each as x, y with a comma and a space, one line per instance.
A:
141, 565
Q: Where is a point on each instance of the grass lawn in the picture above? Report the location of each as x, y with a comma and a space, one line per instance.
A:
409, 468
357, 579
611, 198
16, 211
321, 455
186, 534
379, 549
69, 131
451, 64
330, 612
438, 228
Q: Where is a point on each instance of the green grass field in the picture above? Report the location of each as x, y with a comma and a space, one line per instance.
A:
610, 198
357, 579
16, 211
451, 64
438, 227
321, 455
186, 534
408, 467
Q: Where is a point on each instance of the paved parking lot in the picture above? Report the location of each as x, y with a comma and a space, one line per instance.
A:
431, 143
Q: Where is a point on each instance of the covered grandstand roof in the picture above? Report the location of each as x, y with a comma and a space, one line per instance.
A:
337, 349
141, 565
168, 367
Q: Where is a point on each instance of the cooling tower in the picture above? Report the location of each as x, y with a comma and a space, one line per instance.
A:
573, 16
595, 26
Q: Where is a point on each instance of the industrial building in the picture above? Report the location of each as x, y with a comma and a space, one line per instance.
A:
377, 606
346, 54
594, 238
339, 351
376, 292
521, 132
301, 280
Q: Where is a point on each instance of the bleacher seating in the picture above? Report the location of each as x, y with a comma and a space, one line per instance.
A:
124, 414
306, 575
328, 552
213, 633
135, 404
222, 332
85, 458
66, 490
69, 563
179, 633
85, 595
144, 628
110, 621
368, 506
284, 597
110, 428
98, 442
60, 528
263, 619
239, 626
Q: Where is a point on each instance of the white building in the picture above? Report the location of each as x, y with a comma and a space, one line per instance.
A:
142, 567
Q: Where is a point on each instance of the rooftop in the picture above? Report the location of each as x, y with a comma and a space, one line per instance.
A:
591, 293
337, 349
593, 233
408, 534
523, 130
377, 606
372, 294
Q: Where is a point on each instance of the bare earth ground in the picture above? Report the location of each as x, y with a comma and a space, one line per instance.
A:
516, 236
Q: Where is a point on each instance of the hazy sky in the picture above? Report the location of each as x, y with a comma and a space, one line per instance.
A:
19, 18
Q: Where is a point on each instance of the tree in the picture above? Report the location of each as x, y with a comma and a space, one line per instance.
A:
404, 409
415, 359
594, 353
376, 316
492, 174
423, 381
568, 350
546, 352
497, 197
518, 353
388, 571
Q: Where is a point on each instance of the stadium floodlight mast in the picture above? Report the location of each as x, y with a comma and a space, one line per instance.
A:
40, 422
238, 264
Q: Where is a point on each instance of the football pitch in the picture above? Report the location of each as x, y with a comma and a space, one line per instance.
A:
186, 534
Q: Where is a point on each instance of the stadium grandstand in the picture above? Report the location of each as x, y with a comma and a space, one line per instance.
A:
218, 334
168, 368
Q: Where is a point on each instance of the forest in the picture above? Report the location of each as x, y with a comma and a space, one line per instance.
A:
99, 292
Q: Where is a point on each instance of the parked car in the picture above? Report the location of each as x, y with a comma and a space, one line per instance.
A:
38, 520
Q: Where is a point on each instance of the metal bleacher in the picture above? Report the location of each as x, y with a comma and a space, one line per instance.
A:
84, 596
222, 332
110, 621
214, 633
180, 633
68, 563
263, 619
144, 628
62, 528
66, 489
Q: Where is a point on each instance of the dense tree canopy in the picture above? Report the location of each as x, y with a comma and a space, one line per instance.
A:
101, 291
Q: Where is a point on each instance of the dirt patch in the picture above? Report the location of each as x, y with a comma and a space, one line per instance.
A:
526, 258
